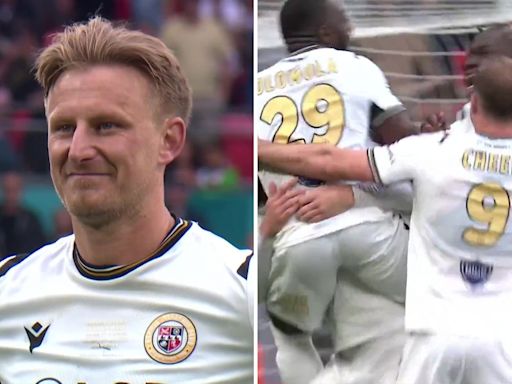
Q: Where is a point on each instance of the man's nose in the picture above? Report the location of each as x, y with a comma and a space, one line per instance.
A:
82, 146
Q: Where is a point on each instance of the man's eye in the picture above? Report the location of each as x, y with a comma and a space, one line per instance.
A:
107, 125
65, 128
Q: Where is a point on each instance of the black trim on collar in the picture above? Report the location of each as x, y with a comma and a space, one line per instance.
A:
112, 272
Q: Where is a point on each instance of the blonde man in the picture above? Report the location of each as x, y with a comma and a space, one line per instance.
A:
136, 294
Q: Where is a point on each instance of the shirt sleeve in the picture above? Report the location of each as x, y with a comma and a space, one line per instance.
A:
395, 197
384, 103
251, 288
402, 160
248, 271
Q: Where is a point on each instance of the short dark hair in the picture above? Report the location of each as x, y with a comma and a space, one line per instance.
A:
493, 85
501, 37
299, 17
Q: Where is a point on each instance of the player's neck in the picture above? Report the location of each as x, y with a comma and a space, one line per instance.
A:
493, 129
125, 241
493, 133
303, 45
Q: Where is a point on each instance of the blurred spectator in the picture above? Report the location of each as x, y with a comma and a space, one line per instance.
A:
234, 14
207, 54
177, 197
19, 227
84, 9
35, 144
241, 95
183, 169
61, 224
14, 15
9, 159
148, 15
215, 170
15, 69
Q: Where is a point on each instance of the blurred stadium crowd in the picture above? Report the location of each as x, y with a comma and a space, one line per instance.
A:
210, 183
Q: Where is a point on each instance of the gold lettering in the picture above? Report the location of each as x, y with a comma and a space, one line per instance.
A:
480, 159
318, 69
295, 75
492, 164
260, 90
309, 72
331, 66
465, 159
505, 164
297, 304
267, 84
280, 80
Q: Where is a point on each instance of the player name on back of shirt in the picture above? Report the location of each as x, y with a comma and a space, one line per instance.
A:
296, 75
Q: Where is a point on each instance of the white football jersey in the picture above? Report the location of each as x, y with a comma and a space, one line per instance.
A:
321, 95
182, 315
459, 276
464, 112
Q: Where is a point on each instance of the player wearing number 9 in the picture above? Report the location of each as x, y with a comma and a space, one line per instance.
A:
459, 265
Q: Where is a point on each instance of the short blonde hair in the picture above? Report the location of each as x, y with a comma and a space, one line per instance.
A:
100, 42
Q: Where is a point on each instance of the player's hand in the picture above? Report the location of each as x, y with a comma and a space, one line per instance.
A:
433, 123
324, 202
282, 203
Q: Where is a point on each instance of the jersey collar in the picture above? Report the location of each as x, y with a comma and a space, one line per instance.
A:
114, 271
305, 49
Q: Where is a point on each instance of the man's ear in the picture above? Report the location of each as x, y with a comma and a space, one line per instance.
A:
173, 139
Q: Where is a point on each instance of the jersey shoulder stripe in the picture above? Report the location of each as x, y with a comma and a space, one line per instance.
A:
243, 269
12, 261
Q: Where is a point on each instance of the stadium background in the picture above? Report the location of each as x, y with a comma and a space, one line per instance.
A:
420, 45
210, 183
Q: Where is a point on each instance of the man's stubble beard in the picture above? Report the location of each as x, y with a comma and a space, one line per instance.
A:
102, 215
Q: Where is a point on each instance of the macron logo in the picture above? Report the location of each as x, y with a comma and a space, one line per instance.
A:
36, 335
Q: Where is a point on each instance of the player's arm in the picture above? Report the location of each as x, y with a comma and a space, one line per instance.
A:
281, 205
317, 161
394, 128
389, 119
399, 126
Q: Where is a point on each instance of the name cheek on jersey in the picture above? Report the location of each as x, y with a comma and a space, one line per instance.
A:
486, 162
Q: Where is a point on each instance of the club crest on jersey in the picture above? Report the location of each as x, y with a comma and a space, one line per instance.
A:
170, 338
475, 272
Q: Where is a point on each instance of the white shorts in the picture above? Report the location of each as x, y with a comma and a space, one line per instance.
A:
443, 359
303, 277
360, 315
374, 362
